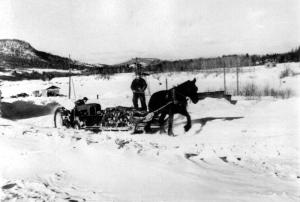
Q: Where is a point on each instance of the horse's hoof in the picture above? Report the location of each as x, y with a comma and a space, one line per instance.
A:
162, 131
187, 128
171, 134
148, 131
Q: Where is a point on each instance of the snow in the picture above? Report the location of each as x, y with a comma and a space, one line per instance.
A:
50, 70
119, 83
243, 152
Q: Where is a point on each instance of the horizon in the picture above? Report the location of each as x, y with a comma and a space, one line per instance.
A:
174, 59
128, 59
111, 32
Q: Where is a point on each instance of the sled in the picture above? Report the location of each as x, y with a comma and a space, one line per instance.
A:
91, 117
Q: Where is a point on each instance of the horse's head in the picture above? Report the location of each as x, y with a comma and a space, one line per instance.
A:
190, 89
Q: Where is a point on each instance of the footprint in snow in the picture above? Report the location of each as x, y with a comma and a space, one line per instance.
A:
224, 158
189, 155
9, 186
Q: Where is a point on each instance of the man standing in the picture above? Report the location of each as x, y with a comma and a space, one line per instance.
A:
138, 87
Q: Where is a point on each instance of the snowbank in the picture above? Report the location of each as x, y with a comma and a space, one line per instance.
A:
243, 152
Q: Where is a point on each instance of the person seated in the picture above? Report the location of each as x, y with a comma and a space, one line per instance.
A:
75, 112
81, 101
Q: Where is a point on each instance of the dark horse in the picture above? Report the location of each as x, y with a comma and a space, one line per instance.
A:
173, 101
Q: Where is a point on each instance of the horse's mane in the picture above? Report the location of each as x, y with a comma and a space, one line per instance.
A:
180, 86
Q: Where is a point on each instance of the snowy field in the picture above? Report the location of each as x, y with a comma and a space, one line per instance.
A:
244, 152
9, 71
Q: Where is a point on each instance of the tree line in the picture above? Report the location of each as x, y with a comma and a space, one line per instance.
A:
226, 61
47, 60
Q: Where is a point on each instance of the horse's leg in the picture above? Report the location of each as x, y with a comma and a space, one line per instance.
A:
147, 127
170, 123
188, 119
161, 122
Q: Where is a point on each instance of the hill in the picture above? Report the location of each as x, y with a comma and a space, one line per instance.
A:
16, 53
142, 61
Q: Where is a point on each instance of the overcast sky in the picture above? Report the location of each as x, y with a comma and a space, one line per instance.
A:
111, 31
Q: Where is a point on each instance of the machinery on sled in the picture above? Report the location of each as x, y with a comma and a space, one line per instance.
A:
91, 117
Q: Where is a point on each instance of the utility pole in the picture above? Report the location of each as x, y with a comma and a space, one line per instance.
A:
0, 103
237, 80
138, 68
224, 76
69, 78
237, 76
166, 84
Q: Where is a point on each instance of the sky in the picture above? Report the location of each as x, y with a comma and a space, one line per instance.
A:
113, 31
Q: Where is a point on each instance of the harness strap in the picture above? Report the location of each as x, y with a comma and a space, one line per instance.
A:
162, 107
151, 114
173, 101
177, 92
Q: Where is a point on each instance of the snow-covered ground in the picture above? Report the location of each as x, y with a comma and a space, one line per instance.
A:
8, 72
117, 86
50, 70
244, 152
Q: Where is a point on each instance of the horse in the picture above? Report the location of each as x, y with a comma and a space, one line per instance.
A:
170, 102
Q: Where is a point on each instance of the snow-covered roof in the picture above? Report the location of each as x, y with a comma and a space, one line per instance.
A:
53, 87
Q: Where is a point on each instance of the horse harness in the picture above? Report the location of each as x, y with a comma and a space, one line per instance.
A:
173, 101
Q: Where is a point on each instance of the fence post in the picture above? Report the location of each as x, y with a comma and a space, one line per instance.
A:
69, 77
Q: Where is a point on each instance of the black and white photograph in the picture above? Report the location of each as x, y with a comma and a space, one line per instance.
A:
149, 100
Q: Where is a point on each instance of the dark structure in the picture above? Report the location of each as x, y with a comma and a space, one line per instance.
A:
52, 91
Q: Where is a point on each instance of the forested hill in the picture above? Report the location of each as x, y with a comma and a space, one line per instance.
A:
216, 62
16, 53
